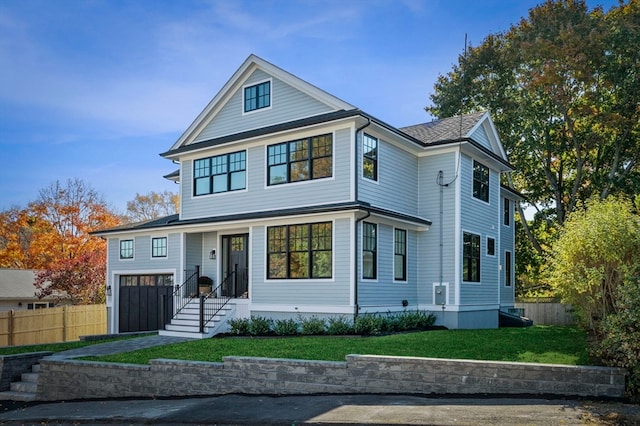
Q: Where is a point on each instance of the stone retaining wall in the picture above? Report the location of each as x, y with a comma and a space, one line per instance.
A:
69, 379
12, 366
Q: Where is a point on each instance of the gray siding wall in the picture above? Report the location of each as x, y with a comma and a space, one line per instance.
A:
396, 187
480, 136
384, 291
259, 197
507, 243
142, 260
326, 292
431, 271
287, 104
482, 219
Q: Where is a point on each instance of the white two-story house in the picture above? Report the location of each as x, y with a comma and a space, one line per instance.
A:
295, 202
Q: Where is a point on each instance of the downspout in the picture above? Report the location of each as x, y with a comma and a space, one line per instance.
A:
355, 242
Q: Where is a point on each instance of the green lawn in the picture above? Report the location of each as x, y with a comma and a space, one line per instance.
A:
540, 344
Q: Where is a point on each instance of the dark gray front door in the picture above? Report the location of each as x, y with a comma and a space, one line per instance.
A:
235, 265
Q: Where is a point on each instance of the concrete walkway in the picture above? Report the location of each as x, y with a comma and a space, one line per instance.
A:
119, 346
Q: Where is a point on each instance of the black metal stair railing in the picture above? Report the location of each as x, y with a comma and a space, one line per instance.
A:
183, 293
211, 303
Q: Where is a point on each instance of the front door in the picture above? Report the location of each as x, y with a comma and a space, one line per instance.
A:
235, 263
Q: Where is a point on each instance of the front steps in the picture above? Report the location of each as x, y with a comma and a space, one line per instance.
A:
187, 322
25, 389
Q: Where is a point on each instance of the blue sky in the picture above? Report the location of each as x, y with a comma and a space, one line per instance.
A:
96, 89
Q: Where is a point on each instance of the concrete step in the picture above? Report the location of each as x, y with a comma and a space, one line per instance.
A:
184, 328
17, 396
30, 377
35, 368
188, 335
25, 387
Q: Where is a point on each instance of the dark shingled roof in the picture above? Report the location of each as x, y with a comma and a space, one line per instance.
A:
446, 129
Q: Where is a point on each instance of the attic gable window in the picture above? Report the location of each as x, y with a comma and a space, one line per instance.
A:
480, 181
257, 96
222, 173
300, 160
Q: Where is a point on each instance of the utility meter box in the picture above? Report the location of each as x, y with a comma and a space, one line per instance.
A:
440, 292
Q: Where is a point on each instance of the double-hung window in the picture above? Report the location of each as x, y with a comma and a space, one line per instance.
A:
126, 249
299, 160
159, 247
471, 257
370, 157
222, 173
369, 250
400, 255
257, 96
300, 251
480, 181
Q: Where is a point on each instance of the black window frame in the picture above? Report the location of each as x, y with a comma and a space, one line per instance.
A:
288, 245
506, 211
370, 246
227, 165
481, 180
400, 254
255, 97
126, 250
301, 159
507, 268
491, 246
157, 250
370, 154
471, 265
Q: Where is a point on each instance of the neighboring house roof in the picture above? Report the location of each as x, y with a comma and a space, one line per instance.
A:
17, 284
174, 220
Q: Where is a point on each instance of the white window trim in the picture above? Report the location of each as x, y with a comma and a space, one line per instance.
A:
126, 259
166, 237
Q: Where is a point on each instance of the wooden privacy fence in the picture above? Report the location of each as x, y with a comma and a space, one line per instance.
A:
546, 311
51, 325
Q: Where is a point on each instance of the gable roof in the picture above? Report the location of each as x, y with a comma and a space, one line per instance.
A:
252, 63
446, 129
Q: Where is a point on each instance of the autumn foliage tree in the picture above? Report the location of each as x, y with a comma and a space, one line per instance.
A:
53, 235
152, 206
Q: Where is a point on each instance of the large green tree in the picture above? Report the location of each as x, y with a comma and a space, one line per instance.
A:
563, 86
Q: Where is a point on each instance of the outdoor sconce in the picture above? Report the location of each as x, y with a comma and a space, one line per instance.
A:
109, 290
212, 254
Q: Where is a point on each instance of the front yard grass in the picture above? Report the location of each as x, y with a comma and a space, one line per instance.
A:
538, 344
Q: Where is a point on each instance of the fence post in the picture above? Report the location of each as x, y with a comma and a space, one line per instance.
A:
64, 323
10, 328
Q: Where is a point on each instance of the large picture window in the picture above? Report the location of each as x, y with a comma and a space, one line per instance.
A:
370, 157
299, 160
300, 251
369, 250
400, 255
222, 173
471, 257
257, 96
480, 181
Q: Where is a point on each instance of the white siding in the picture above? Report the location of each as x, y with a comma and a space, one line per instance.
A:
260, 197
482, 219
287, 104
324, 292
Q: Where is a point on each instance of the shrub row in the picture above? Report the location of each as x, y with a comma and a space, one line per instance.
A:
367, 324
